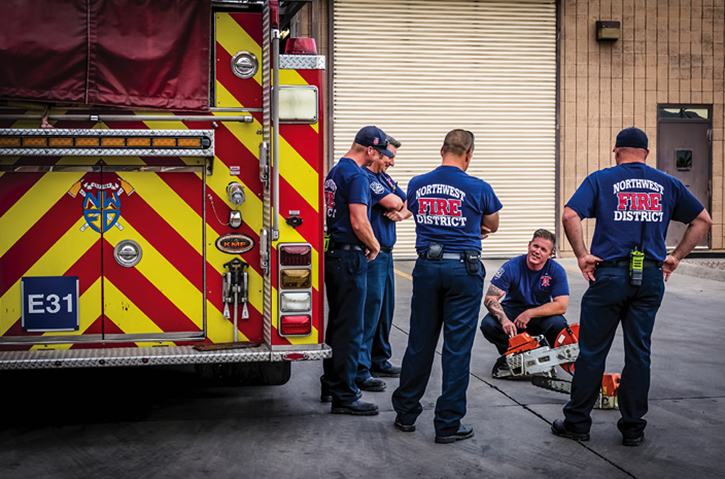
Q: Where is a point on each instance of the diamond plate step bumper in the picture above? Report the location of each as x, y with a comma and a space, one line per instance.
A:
149, 356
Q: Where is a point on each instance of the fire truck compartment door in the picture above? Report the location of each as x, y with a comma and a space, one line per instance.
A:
153, 253
59, 228
50, 255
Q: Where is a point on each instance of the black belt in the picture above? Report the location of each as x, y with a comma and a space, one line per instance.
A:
346, 247
624, 263
456, 256
386, 249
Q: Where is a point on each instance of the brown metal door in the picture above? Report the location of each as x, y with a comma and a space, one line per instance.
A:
684, 152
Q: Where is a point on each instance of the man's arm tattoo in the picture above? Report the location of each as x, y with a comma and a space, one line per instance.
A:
492, 304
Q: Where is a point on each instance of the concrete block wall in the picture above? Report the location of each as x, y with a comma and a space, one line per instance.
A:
669, 52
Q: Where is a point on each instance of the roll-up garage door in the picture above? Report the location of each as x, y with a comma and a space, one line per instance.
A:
418, 69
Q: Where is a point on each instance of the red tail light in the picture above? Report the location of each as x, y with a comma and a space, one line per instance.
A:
295, 255
296, 325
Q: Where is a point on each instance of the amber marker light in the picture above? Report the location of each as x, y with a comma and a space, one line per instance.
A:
60, 141
35, 141
9, 141
163, 142
138, 142
296, 278
86, 142
113, 142
189, 142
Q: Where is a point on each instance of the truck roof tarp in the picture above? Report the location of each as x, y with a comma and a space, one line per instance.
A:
123, 53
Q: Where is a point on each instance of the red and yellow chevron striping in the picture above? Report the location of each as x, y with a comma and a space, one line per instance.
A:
68, 220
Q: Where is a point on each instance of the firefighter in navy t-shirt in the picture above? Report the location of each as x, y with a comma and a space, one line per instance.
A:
352, 245
537, 295
388, 201
453, 211
626, 269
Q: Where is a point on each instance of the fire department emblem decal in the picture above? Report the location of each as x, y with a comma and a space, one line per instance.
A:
101, 203
545, 281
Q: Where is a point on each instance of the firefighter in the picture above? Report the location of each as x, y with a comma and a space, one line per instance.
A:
626, 269
537, 295
352, 245
387, 197
452, 212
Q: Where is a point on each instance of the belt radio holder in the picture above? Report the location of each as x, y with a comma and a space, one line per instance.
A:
435, 251
636, 265
473, 261
235, 290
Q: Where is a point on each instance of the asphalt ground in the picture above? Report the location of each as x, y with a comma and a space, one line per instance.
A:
162, 422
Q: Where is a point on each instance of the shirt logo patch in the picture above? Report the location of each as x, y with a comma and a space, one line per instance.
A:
499, 273
377, 187
545, 281
443, 209
638, 205
330, 191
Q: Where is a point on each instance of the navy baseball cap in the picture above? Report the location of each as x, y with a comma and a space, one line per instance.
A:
375, 137
631, 137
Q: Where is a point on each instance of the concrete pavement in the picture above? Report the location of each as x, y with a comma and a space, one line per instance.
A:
687, 398
161, 422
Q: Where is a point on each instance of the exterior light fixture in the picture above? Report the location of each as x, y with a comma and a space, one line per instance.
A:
608, 31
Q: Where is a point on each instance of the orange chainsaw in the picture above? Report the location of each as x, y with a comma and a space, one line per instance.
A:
528, 356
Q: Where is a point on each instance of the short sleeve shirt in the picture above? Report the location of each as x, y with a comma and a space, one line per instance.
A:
382, 185
633, 204
447, 205
526, 289
346, 184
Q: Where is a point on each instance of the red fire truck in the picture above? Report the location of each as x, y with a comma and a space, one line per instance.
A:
161, 165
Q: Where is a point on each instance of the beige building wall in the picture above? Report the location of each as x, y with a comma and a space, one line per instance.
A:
669, 52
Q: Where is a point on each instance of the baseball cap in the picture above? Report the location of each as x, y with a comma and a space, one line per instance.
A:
375, 137
631, 137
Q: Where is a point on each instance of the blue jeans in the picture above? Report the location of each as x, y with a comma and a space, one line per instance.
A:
444, 295
379, 303
345, 282
549, 326
608, 301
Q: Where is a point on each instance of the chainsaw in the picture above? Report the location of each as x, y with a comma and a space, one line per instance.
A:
528, 356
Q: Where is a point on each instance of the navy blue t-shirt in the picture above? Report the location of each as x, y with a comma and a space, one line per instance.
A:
381, 185
526, 289
346, 183
633, 204
448, 204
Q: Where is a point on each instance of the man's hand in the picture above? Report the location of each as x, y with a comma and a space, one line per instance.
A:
574, 233
670, 265
587, 264
363, 230
399, 215
485, 232
372, 253
522, 320
509, 327
693, 234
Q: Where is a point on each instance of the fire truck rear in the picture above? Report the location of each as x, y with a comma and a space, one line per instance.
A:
160, 187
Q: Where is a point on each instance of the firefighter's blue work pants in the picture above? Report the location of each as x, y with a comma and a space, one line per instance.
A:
345, 283
444, 295
608, 301
379, 307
